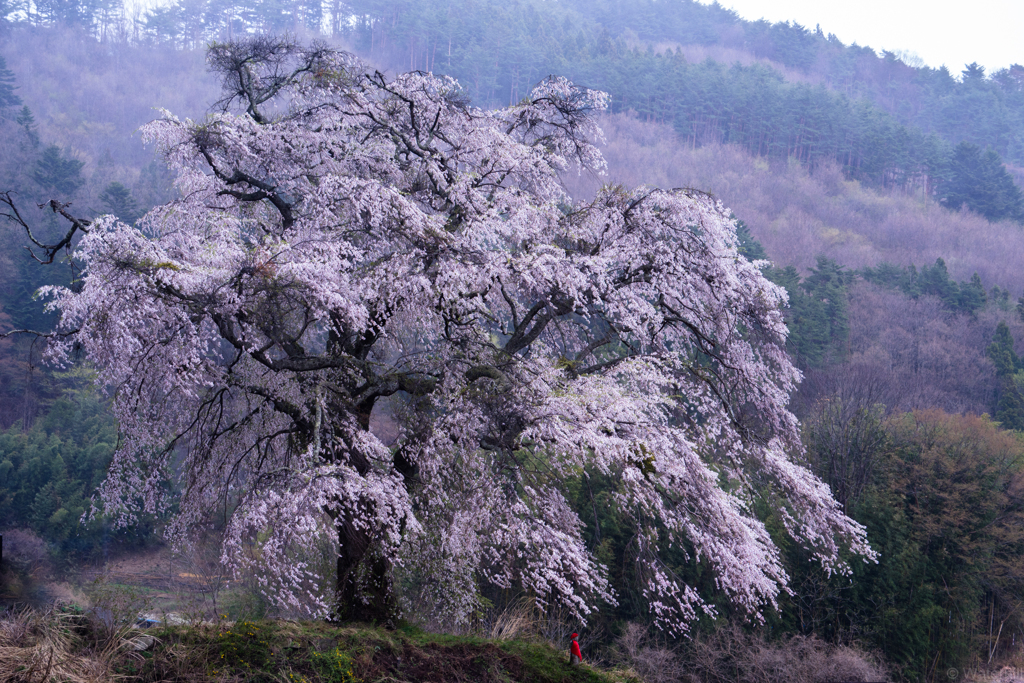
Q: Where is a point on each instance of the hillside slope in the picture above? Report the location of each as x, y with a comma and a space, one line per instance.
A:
799, 214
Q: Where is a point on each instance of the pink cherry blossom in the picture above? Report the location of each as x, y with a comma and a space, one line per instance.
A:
381, 238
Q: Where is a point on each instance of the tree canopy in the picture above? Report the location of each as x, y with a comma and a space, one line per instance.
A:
349, 239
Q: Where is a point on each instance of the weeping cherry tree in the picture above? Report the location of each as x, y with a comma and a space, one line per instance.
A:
342, 238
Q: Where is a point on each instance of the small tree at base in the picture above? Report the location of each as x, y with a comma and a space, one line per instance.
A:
350, 238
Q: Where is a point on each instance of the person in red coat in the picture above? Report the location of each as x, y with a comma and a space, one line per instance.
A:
575, 656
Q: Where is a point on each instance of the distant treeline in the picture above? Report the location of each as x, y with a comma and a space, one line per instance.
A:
958, 105
810, 97
498, 50
35, 170
832, 108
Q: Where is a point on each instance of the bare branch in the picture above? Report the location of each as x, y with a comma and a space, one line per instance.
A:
4, 335
50, 251
254, 70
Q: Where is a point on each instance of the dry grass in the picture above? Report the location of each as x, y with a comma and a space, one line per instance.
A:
519, 619
731, 655
44, 647
82, 647
71, 644
523, 619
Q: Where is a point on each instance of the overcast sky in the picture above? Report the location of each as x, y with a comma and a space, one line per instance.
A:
954, 33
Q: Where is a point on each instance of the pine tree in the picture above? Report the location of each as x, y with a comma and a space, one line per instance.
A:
57, 173
972, 295
827, 285
1001, 352
28, 122
980, 181
816, 317
935, 280
7, 87
118, 200
1009, 406
747, 245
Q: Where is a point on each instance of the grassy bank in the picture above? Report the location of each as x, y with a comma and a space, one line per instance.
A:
65, 645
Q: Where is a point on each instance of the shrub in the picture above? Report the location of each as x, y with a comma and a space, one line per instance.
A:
334, 666
731, 655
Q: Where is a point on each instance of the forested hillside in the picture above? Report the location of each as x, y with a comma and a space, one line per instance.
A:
617, 44
778, 90
874, 186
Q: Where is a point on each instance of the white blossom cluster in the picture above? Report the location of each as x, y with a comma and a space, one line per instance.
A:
382, 238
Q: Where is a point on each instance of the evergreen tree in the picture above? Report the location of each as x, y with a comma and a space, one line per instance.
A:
28, 122
934, 280
1009, 406
827, 284
7, 87
998, 296
58, 174
966, 297
1001, 352
890, 276
117, 199
972, 295
66, 12
816, 317
973, 72
747, 245
980, 181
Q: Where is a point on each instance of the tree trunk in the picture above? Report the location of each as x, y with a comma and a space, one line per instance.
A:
365, 585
